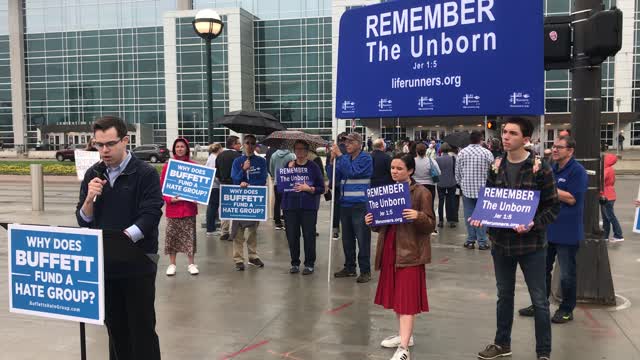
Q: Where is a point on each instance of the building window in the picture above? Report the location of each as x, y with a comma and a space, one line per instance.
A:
606, 134
635, 133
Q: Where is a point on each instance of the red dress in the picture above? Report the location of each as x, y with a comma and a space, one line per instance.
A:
402, 289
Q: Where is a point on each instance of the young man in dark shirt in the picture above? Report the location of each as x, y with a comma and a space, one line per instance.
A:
224, 162
123, 193
525, 244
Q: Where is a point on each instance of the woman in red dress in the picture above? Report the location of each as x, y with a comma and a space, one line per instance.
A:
401, 255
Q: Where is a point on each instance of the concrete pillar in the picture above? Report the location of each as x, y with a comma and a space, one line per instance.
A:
16, 58
624, 59
170, 77
37, 187
184, 4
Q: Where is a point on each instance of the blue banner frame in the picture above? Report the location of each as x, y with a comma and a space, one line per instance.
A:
441, 58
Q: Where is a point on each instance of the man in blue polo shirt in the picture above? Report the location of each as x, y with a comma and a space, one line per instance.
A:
565, 234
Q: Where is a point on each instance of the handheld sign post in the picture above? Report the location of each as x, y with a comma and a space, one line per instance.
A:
387, 202
247, 204
506, 208
190, 182
289, 177
441, 58
636, 221
84, 160
58, 273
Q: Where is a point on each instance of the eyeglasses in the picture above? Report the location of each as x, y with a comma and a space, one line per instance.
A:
559, 147
108, 145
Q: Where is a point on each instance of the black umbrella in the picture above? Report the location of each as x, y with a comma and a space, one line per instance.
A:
250, 122
458, 139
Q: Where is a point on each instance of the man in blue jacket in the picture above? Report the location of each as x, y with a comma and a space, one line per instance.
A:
123, 193
247, 170
565, 234
353, 171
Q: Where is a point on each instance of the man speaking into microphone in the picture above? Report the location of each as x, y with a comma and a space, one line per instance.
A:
123, 193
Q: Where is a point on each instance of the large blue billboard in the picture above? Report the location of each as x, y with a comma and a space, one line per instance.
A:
441, 58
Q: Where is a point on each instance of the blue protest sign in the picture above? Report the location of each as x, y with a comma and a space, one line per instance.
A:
249, 204
387, 202
636, 222
506, 208
191, 182
441, 57
289, 177
56, 272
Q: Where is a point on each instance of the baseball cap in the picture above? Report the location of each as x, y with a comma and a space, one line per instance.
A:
354, 136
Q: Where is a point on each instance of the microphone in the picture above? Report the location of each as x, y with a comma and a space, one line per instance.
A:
100, 172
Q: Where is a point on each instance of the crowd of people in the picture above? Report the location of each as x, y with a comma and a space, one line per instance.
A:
429, 168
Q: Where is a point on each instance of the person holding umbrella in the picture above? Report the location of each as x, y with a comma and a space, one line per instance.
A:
247, 170
301, 209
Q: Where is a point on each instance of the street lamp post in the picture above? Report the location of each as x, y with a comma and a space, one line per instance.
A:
208, 25
616, 142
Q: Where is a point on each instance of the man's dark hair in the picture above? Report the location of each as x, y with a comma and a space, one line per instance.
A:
421, 149
107, 122
475, 137
526, 127
569, 140
232, 140
250, 136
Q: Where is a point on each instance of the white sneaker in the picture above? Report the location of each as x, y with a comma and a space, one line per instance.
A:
214, 233
193, 269
171, 270
401, 354
616, 240
394, 342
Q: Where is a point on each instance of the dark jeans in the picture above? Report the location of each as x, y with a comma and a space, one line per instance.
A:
295, 220
277, 213
608, 219
447, 196
336, 208
533, 266
354, 229
212, 210
567, 260
130, 317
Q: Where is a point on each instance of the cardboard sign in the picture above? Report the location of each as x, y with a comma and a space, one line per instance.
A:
248, 204
387, 202
191, 182
506, 208
85, 160
56, 272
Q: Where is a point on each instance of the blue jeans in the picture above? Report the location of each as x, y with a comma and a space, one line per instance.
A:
533, 266
212, 210
567, 260
354, 229
473, 233
306, 220
609, 218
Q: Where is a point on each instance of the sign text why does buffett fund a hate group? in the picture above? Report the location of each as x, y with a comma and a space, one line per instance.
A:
56, 272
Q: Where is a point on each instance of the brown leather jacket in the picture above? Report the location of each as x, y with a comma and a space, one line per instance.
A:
413, 240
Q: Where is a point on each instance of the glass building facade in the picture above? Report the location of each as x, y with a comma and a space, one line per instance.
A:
293, 72
272, 9
6, 122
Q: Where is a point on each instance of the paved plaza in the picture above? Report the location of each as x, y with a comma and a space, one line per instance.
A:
270, 314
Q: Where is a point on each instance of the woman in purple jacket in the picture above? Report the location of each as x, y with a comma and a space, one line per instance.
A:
300, 202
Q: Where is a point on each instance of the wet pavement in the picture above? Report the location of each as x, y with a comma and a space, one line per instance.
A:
270, 314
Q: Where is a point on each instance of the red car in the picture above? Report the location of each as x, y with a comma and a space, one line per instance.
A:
69, 152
